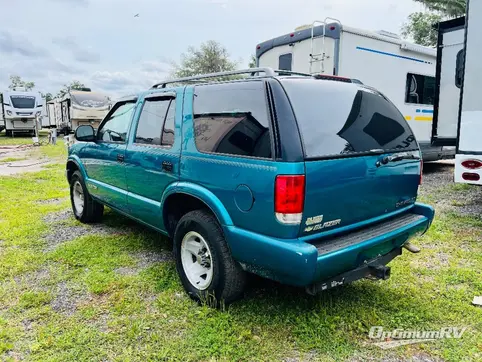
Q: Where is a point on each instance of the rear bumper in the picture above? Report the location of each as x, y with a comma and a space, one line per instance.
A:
297, 262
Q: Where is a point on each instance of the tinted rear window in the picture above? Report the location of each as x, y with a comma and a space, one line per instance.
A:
339, 118
23, 101
232, 118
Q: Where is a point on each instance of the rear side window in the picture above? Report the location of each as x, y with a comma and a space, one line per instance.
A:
285, 61
343, 119
156, 122
232, 118
420, 89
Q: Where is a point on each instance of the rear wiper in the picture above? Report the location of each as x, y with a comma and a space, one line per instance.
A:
400, 156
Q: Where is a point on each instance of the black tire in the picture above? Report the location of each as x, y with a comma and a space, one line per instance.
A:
8, 133
228, 279
93, 210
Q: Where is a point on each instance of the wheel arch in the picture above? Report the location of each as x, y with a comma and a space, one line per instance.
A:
184, 197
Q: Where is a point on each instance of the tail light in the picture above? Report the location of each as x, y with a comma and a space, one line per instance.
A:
470, 176
289, 198
472, 164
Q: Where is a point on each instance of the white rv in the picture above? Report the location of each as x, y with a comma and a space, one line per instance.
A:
80, 107
20, 110
462, 69
46, 120
2, 121
403, 71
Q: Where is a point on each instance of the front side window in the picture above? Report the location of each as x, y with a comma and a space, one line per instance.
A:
114, 129
232, 118
420, 89
285, 61
154, 118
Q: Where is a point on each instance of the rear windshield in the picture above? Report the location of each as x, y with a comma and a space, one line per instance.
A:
340, 119
23, 101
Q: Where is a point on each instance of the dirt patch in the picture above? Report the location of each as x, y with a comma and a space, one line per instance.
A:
144, 260
434, 262
61, 233
59, 216
23, 159
55, 201
67, 299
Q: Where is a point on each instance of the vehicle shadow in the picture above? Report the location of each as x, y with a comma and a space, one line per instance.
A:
436, 167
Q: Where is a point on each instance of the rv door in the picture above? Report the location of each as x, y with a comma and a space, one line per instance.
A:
448, 82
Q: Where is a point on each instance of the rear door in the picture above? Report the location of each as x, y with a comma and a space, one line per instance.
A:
361, 158
152, 157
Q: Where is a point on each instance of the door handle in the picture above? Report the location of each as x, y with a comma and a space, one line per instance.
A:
167, 166
120, 157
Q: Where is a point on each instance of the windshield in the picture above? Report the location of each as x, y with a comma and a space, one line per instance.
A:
90, 100
23, 101
345, 118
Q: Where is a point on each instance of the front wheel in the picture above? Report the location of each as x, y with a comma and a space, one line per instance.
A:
85, 208
207, 270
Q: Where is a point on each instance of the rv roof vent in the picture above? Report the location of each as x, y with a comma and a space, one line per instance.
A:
85, 89
388, 34
303, 27
19, 89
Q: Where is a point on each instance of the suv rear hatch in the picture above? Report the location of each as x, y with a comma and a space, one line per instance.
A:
362, 161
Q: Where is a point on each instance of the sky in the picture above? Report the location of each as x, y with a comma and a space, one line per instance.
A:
102, 44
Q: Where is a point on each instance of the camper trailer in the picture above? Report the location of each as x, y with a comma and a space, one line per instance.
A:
80, 107
20, 110
402, 71
46, 120
460, 76
2, 121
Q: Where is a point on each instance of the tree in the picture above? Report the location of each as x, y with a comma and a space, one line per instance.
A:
252, 61
48, 96
420, 28
75, 84
419, 25
16, 82
211, 57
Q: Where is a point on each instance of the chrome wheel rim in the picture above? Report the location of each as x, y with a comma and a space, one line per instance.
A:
196, 260
78, 197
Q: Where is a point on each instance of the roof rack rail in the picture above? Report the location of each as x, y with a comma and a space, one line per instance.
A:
267, 71
289, 72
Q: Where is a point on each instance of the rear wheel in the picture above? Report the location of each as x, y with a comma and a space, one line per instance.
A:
85, 208
207, 270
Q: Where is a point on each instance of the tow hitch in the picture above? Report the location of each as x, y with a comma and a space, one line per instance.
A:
373, 269
380, 272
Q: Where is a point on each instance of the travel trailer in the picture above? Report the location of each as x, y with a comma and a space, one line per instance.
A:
460, 74
80, 107
402, 71
20, 110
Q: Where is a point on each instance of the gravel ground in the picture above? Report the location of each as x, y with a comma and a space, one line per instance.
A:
438, 187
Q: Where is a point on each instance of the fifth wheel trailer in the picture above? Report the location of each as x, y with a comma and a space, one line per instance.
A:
80, 107
403, 71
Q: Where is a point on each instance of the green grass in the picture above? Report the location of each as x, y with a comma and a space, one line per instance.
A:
12, 159
21, 139
146, 316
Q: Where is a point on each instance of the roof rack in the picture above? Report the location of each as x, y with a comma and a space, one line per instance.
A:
267, 71
289, 72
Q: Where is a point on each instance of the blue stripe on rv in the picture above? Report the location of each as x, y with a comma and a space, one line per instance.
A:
393, 55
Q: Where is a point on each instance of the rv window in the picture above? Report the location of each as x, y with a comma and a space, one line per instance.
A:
420, 89
459, 68
232, 118
285, 61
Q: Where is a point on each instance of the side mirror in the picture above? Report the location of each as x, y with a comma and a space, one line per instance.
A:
85, 133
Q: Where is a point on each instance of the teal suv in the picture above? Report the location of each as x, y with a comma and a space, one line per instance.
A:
309, 182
